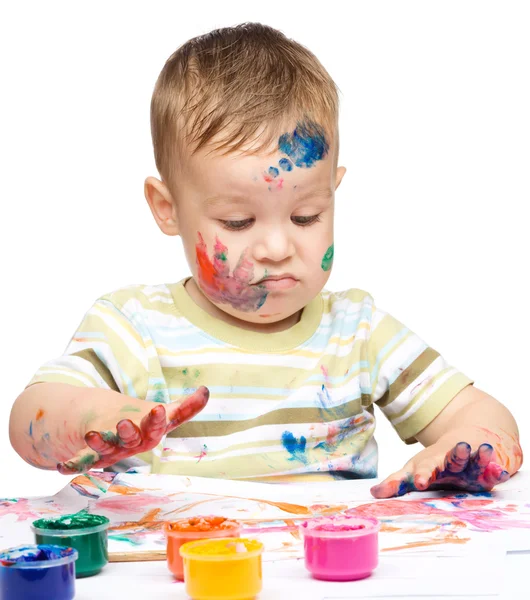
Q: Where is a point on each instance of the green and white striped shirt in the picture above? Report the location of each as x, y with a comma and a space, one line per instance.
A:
297, 403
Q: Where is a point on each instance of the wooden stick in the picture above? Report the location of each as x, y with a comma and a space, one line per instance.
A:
148, 555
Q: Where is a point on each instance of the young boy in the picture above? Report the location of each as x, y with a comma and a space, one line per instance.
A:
245, 133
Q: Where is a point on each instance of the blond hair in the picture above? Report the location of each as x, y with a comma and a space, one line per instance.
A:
235, 89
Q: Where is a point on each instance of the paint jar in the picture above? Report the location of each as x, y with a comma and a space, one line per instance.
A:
85, 532
38, 572
195, 528
340, 548
223, 569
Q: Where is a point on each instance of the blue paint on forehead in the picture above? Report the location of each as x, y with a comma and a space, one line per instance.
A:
305, 145
285, 164
273, 172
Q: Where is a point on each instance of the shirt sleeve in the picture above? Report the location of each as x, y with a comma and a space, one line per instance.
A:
410, 381
107, 351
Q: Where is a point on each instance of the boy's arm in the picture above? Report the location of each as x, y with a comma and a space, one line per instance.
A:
472, 444
74, 429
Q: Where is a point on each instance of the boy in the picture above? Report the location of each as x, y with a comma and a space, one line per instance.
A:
245, 134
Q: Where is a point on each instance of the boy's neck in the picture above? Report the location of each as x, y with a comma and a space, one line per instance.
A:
200, 299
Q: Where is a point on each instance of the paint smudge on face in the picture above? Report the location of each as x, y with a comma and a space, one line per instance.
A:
296, 448
40, 414
285, 164
221, 287
327, 259
271, 177
305, 145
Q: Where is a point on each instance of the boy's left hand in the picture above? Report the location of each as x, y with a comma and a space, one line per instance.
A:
437, 467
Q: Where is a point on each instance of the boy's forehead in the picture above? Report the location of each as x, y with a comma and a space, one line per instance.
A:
236, 174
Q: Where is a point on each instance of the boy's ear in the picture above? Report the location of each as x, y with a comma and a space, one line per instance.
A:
340, 174
162, 205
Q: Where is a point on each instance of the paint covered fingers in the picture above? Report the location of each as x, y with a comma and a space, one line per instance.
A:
459, 468
186, 410
106, 448
470, 471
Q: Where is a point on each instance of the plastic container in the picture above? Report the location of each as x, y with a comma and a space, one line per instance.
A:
222, 569
37, 572
341, 548
85, 532
195, 528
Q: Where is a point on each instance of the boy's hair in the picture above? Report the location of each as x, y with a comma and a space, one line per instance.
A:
237, 88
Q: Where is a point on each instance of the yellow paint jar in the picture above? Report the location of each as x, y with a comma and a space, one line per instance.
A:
222, 569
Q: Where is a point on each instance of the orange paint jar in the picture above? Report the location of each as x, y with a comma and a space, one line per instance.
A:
195, 528
223, 569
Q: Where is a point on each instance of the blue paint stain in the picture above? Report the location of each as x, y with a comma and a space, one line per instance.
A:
31, 429
406, 486
285, 164
296, 448
273, 172
306, 145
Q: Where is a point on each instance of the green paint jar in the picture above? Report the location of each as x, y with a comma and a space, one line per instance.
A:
85, 532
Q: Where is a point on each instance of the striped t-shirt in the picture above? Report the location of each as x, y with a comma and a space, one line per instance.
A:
294, 403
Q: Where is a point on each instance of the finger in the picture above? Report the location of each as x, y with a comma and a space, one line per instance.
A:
82, 462
494, 474
153, 425
129, 434
187, 409
426, 474
397, 484
457, 459
102, 442
481, 459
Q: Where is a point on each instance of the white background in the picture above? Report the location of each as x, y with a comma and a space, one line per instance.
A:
431, 216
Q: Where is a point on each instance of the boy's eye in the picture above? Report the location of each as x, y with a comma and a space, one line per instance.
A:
237, 225
304, 221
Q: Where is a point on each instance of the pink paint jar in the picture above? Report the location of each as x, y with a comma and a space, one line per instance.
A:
340, 548
195, 528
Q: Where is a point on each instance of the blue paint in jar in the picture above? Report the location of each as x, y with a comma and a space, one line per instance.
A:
41, 572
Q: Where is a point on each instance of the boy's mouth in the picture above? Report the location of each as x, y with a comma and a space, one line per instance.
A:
284, 281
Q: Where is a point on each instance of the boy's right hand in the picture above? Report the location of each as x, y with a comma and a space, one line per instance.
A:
112, 438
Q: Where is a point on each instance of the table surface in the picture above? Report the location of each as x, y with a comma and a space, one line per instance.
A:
485, 573
394, 578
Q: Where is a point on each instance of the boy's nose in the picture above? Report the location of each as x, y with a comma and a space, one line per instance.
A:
275, 246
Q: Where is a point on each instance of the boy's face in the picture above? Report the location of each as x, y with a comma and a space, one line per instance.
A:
257, 230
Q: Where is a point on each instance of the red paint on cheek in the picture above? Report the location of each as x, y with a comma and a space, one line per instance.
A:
216, 281
207, 271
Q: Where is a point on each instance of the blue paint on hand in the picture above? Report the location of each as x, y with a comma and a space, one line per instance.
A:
285, 164
296, 448
306, 145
